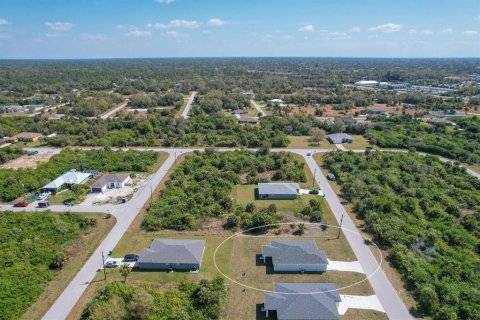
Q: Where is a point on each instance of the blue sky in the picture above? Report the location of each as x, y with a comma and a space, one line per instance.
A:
199, 28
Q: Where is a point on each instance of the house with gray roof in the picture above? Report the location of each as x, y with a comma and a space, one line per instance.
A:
110, 181
296, 301
338, 138
165, 254
278, 190
294, 256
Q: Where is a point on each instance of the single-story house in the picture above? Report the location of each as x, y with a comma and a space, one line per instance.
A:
278, 190
295, 256
441, 121
69, 178
165, 254
296, 301
26, 137
110, 181
338, 138
240, 111
378, 112
348, 120
251, 120
248, 94
276, 101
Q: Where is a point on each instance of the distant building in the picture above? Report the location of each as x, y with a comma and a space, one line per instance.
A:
441, 121
278, 190
110, 181
349, 120
339, 138
366, 83
248, 94
251, 120
240, 111
321, 304
378, 112
448, 113
70, 178
295, 256
26, 137
276, 101
165, 254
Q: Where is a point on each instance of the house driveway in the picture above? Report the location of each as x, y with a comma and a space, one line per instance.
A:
307, 191
350, 266
119, 261
359, 302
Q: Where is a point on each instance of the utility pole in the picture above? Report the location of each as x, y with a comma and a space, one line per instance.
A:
175, 158
151, 195
103, 263
340, 228
314, 174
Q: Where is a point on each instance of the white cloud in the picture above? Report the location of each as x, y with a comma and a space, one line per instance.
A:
307, 28
387, 27
191, 24
216, 22
338, 34
412, 31
354, 29
447, 31
178, 23
165, 1
470, 32
288, 37
59, 26
372, 36
426, 32
207, 31
96, 37
136, 32
174, 34
3, 22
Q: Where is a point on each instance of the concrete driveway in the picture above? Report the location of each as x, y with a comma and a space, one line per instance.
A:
359, 302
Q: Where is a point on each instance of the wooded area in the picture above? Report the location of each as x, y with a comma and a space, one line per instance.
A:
33, 247
188, 301
426, 214
201, 187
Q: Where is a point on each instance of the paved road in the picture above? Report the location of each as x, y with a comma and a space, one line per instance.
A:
387, 295
258, 107
189, 105
125, 216
113, 111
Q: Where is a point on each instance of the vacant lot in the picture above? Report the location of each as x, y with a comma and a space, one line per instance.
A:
359, 142
26, 161
303, 142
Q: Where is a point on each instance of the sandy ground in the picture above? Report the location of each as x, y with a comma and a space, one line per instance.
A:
110, 196
26, 161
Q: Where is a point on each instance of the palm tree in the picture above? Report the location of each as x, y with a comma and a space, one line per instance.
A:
125, 271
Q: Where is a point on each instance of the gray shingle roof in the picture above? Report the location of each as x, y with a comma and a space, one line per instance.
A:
294, 252
339, 137
313, 301
278, 188
108, 178
173, 251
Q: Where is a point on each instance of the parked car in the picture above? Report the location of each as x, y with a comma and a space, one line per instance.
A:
111, 264
131, 257
21, 204
68, 203
309, 154
314, 191
44, 195
331, 177
32, 153
43, 204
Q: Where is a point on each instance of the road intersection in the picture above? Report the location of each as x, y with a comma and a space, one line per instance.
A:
126, 213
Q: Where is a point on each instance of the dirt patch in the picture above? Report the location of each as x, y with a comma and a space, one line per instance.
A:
335, 111
26, 161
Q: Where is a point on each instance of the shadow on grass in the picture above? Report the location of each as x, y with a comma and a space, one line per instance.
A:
262, 315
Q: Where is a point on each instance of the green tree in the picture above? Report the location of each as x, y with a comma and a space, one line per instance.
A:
140, 304
125, 271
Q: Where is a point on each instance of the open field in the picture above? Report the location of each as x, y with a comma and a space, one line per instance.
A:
359, 142
79, 253
26, 161
302, 142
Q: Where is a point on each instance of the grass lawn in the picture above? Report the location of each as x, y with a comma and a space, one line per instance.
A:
68, 195
359, 142
302, 142
78, 254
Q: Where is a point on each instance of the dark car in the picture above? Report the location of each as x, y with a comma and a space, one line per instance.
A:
130, 257
314, 191
21, 204
43, 204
